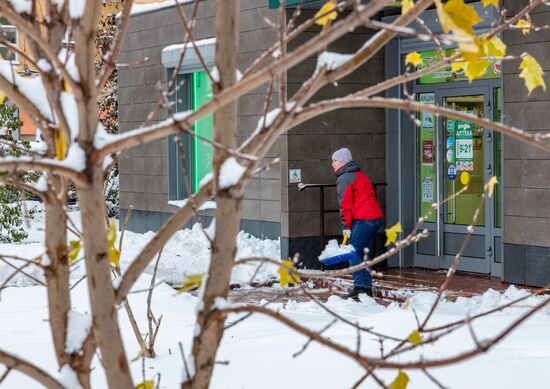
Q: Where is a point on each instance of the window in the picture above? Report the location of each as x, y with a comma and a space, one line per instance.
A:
9, 33
192, 154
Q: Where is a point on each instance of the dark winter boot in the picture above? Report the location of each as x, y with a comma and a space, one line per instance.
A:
357, 290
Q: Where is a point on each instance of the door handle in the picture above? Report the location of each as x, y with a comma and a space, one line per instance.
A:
490, 169
490, 251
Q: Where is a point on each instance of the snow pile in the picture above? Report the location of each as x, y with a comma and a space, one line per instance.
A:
188, 252
332, 249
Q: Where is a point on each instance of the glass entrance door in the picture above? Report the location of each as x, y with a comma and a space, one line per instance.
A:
452, 154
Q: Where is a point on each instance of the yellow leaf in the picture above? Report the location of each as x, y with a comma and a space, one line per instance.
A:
414, 59
496, 47
114, 253
2, 97
65, 85
114, 256
191, 281
525, 26
284, 275
391, 233
111, 232
60, 145
486, 3
148, 384
475, 63
457, 17
475, 69
327, 14
74, 249
490, 187
401, 381
406, 5
532, 73
415, 337
458, 66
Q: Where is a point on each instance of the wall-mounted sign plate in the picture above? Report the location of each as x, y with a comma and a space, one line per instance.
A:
294, 176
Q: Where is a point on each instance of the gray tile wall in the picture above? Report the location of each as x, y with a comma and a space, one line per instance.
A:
309, 146
526, 169
143, 170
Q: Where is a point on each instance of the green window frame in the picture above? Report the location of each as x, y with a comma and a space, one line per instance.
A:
194, 89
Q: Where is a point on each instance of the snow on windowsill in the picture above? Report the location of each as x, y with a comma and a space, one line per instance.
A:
139, 9
205, 206
198, 43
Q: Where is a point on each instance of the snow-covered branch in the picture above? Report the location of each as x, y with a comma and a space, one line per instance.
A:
62, 168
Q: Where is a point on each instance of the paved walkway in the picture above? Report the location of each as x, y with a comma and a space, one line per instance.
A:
413, 279
390, 285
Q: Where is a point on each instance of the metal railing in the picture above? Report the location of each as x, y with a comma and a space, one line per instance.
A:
322, 210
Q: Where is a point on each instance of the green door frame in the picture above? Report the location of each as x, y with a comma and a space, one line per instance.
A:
487, 235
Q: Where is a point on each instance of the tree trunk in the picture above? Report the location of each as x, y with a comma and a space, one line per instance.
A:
57, 277
228, 203
102, 296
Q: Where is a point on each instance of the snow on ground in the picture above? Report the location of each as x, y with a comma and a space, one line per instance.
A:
188, 252
259, 350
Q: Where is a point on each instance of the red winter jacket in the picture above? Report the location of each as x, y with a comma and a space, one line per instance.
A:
356, 196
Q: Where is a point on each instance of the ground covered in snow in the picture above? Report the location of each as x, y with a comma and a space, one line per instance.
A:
188, 252
259, 351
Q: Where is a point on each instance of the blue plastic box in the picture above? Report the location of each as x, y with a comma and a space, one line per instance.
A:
338, 258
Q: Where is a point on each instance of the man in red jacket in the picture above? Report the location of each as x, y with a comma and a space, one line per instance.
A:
360, 213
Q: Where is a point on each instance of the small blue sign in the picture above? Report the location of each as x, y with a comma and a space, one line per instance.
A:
450, 142
450, 125
451, 171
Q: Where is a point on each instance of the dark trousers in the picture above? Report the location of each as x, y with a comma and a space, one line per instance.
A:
362, 236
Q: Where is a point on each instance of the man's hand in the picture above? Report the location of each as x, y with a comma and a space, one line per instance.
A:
347, 232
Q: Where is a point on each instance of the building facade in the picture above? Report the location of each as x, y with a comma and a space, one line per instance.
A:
412, 167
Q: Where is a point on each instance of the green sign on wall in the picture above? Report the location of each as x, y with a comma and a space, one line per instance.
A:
464, 141
446, 74
202, 151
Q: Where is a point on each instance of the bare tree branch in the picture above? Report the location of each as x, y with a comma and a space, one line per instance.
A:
27, 368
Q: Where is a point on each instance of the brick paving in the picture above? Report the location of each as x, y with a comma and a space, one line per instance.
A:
389, 285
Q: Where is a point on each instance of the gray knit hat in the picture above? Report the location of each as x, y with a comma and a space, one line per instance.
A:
343, 155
